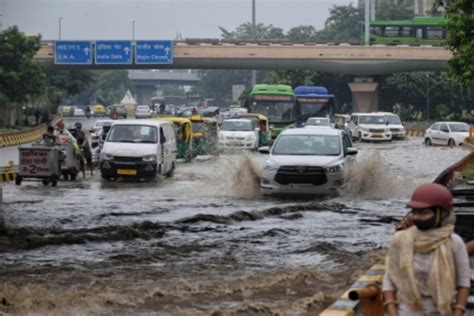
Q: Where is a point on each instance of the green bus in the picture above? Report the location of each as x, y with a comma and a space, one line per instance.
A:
417, 31
276, 102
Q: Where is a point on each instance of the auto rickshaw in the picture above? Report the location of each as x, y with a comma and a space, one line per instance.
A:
184, 136
98, 110
204, 131
261, 123
341, 121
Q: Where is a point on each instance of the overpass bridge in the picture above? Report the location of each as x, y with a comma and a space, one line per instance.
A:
361, 61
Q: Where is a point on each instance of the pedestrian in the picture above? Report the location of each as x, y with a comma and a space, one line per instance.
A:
427, 265
49, 138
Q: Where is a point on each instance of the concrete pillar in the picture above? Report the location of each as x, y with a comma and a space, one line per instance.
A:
365, 96
144, 94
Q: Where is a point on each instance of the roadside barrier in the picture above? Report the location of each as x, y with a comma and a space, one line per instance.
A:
415, 132
8, 173
26, 136
346, 305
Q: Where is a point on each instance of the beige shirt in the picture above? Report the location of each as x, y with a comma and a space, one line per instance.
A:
421, 263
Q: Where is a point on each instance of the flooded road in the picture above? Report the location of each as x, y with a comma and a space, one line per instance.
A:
204, 242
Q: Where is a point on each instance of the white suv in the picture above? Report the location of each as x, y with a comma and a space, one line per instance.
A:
395, 125
142, 111
238, 133
369, 127
307, 161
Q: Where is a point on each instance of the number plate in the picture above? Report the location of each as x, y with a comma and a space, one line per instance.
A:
378, 135
300, 185
127, 172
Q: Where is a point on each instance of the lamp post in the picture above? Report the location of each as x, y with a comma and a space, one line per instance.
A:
366, 23
133, 30
428, 96
1, 15
59, 21
254, 35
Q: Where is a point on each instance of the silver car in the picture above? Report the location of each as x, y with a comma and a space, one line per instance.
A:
307, 161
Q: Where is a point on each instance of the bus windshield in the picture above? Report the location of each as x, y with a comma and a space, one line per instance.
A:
275, 111
314, 107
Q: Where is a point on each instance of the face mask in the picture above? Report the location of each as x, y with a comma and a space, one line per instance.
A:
426, 224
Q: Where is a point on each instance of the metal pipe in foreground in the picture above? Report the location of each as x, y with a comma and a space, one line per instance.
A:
370, 298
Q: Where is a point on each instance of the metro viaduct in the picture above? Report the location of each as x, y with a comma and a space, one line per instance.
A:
360, 61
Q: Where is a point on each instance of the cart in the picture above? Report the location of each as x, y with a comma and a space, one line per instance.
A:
39, 162
69, 163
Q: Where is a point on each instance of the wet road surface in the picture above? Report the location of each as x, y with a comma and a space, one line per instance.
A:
204, 242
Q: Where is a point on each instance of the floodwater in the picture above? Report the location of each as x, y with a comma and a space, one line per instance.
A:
204, 242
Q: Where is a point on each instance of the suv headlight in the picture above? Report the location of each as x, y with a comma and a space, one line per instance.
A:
104, 156
364, 129
335, 168
270, 166
149, 158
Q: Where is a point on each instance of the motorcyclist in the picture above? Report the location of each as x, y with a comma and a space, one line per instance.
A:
88, 112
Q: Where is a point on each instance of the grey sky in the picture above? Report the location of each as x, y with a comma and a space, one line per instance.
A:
156, 19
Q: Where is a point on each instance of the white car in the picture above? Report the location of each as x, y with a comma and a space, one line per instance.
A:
238, 133
393, 122
142, 111
446, 133
79, 112
369, 127
307, 161
318, 122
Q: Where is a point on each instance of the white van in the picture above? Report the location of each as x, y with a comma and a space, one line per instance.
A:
138, 149
369, 127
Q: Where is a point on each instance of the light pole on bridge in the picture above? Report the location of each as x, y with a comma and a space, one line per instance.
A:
254, 36
59, 21
133, 30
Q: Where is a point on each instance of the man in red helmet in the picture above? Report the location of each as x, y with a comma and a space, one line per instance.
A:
427, 266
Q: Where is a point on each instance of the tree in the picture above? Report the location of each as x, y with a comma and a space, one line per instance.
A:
460, 31
245, 32
344, 24
389, 10
302, 33
67, 84
21, 77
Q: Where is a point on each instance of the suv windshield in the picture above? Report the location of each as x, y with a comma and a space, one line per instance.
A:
315, 145
393, 119
237, 126
133, 134
318, 121
460, 127
372, 119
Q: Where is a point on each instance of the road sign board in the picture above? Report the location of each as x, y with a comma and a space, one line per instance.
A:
72, 52
154, 52
113, 52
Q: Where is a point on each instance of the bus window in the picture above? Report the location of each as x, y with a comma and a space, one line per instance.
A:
419, 33
407, 31
434, 32
392, 31
376, 30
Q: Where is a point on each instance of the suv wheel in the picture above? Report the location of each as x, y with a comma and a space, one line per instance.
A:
428, 142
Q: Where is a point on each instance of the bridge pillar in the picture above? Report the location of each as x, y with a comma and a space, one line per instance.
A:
144, 94
365, 96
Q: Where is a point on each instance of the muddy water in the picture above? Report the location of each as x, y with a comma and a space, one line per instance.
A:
204, 242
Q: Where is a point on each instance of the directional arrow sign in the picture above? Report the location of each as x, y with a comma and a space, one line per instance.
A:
72, 52
113, 52
154, 52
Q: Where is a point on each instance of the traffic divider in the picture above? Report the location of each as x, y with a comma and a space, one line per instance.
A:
25, 136
415, 132
8, 173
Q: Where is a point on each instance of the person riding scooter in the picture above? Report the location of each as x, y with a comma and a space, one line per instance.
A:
85, 150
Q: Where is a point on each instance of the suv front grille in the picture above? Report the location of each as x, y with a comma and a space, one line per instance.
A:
301, 174
376, 130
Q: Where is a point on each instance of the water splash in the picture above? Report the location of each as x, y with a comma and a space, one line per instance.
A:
372, 178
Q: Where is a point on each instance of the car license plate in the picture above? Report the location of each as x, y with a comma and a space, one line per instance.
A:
127, 172
300, 185
378, 135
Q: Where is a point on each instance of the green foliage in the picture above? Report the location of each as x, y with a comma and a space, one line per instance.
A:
460, 39
21, 77
68, 83
302, 33
389, 10
344, 24
111, 86
245, 32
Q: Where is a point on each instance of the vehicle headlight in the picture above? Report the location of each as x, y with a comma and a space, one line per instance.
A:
335, 168
364, 129
249, 137
270, 166
149, 158
104, 156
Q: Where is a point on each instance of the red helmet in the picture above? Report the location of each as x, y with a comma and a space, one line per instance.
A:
431, 194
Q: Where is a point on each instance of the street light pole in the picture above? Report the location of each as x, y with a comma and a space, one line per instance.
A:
254, 35
1, 15
367, 19
133, 30
60, 20
428, 96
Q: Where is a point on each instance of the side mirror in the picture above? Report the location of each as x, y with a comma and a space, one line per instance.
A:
351, 151
264, 150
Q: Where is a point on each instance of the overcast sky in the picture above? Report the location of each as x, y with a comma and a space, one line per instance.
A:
156, 19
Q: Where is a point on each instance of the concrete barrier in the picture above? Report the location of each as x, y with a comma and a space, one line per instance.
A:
25, 136
414, 132
8, 173
344, 306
